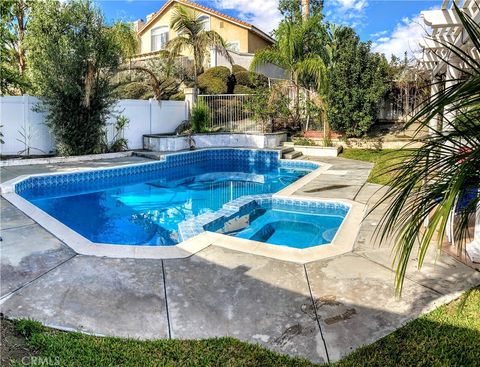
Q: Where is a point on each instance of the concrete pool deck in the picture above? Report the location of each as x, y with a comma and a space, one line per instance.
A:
321, 310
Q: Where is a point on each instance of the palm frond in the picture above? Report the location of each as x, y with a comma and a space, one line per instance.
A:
443, 176
269, 56
315, 68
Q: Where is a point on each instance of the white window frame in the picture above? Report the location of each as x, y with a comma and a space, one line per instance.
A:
159, 38
236, 45
206, 19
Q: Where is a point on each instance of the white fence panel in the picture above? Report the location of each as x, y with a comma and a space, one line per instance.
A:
18, 117
23, 128
138, 112
167, 115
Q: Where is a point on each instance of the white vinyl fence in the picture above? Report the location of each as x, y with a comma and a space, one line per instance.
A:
24, 128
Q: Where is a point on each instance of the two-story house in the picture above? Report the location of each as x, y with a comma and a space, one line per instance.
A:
244, 39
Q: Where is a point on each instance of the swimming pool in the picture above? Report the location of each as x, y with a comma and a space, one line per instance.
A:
145, 204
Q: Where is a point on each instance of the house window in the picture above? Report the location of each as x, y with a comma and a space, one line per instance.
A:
159, 38
206, 21
234, 46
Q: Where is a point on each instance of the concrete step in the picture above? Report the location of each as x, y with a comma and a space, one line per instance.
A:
149, 155
288, 143
286, 150
292, 155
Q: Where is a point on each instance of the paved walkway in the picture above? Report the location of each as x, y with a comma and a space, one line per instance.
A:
320, 311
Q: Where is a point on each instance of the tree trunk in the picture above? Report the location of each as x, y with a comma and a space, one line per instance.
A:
305, 9
20, 14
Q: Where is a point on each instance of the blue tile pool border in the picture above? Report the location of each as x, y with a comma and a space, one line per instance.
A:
169, 161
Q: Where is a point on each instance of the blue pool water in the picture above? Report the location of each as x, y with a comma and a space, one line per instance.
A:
292, 228
144, 205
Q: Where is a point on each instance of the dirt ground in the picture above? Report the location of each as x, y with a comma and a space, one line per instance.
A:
13, 345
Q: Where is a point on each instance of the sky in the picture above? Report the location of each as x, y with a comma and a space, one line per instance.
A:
393, 26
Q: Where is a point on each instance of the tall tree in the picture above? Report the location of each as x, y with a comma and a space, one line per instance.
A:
294, 53
292, 10
72, 57
357, 81
14, 18
194, 38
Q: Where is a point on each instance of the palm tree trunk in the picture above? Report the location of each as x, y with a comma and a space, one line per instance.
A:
305, 9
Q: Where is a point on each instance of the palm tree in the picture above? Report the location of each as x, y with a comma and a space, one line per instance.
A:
306, 67
193, 37
443, 176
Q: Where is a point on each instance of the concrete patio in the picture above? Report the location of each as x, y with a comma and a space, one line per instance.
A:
321, 311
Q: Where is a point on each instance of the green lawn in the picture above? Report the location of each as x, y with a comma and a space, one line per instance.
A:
448, 336
383, 160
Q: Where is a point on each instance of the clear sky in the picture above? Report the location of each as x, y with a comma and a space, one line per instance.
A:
393, 26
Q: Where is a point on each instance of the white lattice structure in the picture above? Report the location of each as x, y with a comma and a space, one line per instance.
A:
445, 67
446, 27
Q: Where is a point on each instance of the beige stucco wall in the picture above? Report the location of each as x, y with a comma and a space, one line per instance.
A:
256, 43
248, 41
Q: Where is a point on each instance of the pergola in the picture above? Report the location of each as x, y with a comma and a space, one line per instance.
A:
445, 67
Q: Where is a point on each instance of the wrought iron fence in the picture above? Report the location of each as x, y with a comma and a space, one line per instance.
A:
231, 112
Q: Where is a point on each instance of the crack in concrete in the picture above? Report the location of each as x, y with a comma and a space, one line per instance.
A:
406, 277
4, 297
316, 314
166, 300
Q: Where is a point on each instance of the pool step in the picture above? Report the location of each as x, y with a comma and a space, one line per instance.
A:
292, 154
286, 150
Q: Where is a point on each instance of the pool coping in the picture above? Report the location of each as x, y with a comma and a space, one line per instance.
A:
343, 241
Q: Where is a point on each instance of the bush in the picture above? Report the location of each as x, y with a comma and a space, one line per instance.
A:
180, 96
217, 80
358, 80
244, 78
220, 72
200, 117
134, 90
242, 89
303, 141
73, 56
252, 80
237, 69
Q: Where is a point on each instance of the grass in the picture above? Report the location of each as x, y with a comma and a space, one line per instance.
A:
448, 336
383, 160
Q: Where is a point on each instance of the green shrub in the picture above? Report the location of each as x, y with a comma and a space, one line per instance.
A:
134, 90
259, 80
211, 85
180, 96
237, 69
200, 117
303, 141
220, 72
244, 78
217, 80
252, 80
242, 89
73, 56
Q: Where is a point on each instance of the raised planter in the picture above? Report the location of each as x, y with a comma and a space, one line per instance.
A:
175, 143
315, 151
